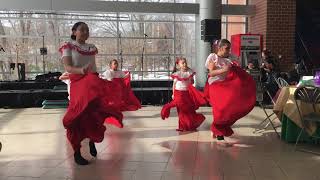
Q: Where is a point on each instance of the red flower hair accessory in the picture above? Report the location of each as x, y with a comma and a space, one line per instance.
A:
177, 60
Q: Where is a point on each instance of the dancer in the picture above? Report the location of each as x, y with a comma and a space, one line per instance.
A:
231, 91
121, 85
88, 107
185, 97
113, 72
119, 82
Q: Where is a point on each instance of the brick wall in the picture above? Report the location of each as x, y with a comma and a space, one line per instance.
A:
275, 20
258, 22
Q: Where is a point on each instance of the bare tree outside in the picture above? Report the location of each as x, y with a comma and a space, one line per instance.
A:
22, 36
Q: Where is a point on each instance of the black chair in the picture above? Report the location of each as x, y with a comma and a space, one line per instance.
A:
282, 82
264, 106
309, 95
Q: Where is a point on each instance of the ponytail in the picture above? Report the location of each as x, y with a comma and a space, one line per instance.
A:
175, 65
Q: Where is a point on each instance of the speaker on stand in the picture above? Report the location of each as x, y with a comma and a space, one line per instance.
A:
210, 30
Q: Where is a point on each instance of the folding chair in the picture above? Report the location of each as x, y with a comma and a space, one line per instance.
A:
282, 82
309, 95
268, 119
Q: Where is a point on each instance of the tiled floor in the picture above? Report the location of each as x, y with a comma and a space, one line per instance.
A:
148, 148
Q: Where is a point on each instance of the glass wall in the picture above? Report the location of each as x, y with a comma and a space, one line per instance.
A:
121, 36
231, 25
239, 2
163, 36
159, 1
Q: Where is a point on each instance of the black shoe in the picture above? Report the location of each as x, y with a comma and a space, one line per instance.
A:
79, 159
220, 138
93, 150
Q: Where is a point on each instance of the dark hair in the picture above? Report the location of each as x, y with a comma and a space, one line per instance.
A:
113, 60
270, 61
175, 65
176, 62
75, 27
223, 42
266, 52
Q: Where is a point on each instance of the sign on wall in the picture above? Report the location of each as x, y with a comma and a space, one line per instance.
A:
250, 42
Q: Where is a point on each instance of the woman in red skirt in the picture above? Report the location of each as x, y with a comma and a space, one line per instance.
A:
186, 98
231, 91
88, 107
119, 82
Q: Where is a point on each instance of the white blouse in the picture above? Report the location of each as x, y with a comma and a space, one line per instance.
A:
219, 63
82, 54
110, 74
183, 79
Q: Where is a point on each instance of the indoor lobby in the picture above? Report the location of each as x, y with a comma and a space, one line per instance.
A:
86, 89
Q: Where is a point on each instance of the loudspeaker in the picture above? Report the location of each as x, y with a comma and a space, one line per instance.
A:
43, 51
210, 29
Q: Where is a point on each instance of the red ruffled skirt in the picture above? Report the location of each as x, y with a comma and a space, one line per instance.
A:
186, 102
123, 96
231, 100
88, 108
122, 89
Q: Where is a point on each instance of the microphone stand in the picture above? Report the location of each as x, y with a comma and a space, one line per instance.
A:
43, 62
120, 53
142, 60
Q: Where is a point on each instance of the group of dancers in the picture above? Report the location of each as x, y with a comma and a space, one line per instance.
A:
97, 99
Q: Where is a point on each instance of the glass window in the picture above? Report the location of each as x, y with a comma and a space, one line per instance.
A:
145, 17
158, 1
132, 29
158, 29
151, 46
232, 25
22, 34
151, 29
185, 17
235, 29
186, 1
243, 2
185, 39
105, 45
236, 19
